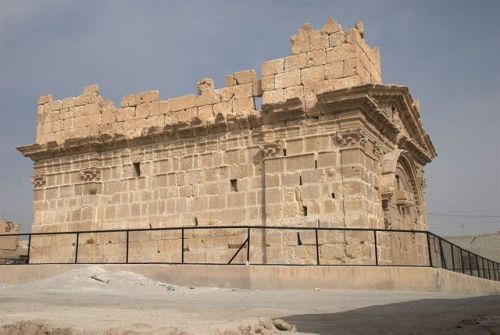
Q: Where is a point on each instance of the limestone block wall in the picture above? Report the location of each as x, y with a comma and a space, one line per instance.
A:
315, 155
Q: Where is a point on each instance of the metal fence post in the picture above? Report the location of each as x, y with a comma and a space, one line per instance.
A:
29, 248
470, 264
126, 252
248, 246
462, 260
76, 250
317, 246
443, 261
182, 246
452, 258
484, 268
477, 265
429, 249
376, 246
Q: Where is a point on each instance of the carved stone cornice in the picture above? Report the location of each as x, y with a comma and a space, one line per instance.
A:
419, 154
91, 174
408, 112
373, 101
38, 181
359, 98
362, 98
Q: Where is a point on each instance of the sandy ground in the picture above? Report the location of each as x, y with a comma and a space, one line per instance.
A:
127, 303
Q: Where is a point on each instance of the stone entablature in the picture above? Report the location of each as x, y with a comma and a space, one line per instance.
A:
331, 146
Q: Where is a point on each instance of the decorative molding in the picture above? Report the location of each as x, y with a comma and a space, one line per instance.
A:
378, 150
271, 149
351, 138
91, 174
423, 182
39, 181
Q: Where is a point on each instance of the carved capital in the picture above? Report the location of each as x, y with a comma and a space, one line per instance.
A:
38, 181
351, 138
378, 150
91, 174
271, 149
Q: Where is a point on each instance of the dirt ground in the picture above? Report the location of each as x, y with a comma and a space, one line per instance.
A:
127, 303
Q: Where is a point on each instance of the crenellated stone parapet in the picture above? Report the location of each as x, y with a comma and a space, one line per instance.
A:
322, 60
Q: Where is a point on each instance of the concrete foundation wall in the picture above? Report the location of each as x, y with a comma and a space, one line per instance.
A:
280, 277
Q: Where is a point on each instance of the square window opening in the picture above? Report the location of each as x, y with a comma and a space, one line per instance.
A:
234, 185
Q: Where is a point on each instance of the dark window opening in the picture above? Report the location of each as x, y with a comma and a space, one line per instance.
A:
315, 164
333, 195
300, 180
385, 204
137, 169
316, 118
304, 210
234, 185
195, 221
284, 152
397, 182
299, 241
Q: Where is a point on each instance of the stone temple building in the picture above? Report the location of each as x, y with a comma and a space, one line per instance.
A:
316, 141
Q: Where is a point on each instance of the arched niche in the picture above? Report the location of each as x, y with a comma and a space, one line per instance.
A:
401, 193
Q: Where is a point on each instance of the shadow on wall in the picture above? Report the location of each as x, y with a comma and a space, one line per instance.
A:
479, 315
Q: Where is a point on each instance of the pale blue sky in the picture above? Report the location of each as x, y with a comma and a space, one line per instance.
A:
447, 52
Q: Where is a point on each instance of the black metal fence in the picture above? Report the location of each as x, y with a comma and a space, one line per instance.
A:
253, 245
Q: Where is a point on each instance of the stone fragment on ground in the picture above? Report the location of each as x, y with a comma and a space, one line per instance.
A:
283, 325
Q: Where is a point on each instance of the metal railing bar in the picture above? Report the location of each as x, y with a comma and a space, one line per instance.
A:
238, 251
485, 267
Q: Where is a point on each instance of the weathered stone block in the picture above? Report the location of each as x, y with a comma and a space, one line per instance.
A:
312, 74
346, 82
287, 79
45, 99
327, 159
299, 162
334, 70
239, 91
242, 77
295, 62
273, 67
205, 113
184, 102
268, 82
208, 98
273, 97
316, 58
68, 102
293, 92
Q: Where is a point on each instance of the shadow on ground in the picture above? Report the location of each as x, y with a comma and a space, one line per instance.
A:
479, 315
